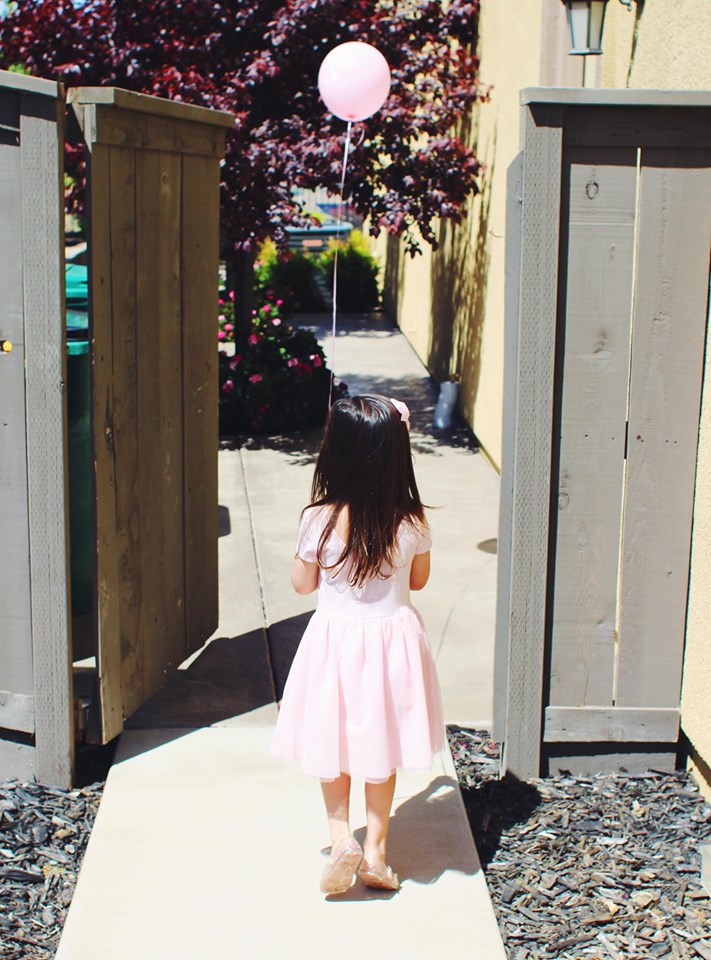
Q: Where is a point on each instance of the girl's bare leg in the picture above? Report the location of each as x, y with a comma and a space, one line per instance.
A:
378, 802
336, 796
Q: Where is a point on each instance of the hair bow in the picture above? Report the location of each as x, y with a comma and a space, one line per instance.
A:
402, 409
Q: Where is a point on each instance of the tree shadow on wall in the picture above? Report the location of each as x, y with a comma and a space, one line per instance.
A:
459, 281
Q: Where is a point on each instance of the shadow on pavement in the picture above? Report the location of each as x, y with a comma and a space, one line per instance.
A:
231, 676
284, 638
424, 840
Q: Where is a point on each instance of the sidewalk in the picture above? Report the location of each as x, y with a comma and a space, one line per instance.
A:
204, 845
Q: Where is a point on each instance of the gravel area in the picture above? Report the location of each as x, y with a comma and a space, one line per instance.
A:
601, 868
43, 835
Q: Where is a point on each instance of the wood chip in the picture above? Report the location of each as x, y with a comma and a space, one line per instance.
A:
586, 868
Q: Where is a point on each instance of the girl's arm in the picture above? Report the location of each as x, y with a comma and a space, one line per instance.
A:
304, 575
420, 570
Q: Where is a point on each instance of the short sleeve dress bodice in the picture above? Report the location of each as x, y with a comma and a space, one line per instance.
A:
362, 696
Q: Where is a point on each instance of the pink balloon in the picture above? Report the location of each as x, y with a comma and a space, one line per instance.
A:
354, 80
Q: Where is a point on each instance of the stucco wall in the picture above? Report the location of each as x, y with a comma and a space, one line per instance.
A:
450, 303
696, 689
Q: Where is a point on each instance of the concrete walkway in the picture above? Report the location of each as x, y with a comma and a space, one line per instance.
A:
205, 845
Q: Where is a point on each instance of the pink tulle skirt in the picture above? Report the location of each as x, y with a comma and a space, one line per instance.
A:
362, 698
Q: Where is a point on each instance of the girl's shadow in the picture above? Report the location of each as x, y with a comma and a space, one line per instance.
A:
428, 835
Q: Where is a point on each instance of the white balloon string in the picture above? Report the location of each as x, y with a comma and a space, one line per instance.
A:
346, 148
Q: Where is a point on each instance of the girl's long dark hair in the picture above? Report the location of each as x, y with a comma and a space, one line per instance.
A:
365, 464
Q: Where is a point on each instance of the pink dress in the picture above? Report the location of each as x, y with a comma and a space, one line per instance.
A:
362, 695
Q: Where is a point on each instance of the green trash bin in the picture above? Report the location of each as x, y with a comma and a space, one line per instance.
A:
79, 441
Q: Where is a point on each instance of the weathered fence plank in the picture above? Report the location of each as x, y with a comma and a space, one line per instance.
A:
107, 609
593, 349
530, 509
122, 165
199, 286
126, 128
47, 468
15, 617
671, 299
503, 569
159, 438
611, 724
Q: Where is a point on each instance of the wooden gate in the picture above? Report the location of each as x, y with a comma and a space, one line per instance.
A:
608, 233
153, 209
35, 662
152, 192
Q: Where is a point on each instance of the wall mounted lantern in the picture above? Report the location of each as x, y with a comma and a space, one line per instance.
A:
585, 22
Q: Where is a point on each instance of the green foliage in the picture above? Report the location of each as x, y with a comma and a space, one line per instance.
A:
280, 383
357, 273
293, 275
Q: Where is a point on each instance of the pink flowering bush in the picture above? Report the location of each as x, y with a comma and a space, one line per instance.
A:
280, 382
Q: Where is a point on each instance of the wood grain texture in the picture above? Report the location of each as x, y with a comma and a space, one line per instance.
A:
47, 467
611, 724
503, 571
126, 128
542, 143
122, 162
159, 428
148, 105
671, 303
107, 605
15, 618
17, 712
653, 127
200, 216
600, 191
632, 758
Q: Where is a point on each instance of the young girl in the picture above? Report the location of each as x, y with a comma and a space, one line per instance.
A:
362, 697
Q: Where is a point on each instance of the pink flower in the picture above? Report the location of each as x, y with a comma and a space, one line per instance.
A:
256, 378
276, 322
235, 361
221, 302
266, 308
252, 339
232, 294
228, 386
280, 303
222, 318
221, 334
292, 362
254, 313
318, 362
228, 328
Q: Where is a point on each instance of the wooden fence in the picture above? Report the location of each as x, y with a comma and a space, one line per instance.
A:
35, 632
608, 233
152, 204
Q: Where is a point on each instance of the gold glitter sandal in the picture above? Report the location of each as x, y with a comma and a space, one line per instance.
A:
341, 869
378, 876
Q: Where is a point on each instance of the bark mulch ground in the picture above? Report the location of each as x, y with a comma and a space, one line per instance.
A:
43, 835
605, 867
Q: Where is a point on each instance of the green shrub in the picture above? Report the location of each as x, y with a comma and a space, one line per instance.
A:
357, 273
293, 275
280, 383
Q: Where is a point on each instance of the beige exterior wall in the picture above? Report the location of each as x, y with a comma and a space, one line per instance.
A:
451, 303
